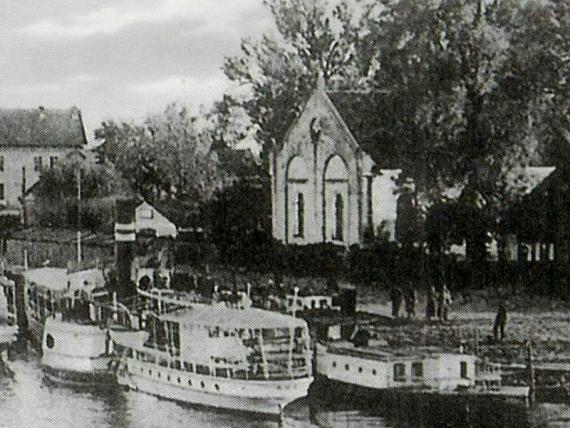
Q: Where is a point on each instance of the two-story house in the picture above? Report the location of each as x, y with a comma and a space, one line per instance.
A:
33, 139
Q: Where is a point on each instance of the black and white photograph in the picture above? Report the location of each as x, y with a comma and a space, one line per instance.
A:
285, 213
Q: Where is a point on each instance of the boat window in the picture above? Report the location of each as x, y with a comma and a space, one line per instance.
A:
178, 380
334, 363
203, 370
239, 374
417, 369
359, 369
221, 372
463, 370
399, 372
346, 367
50, 341
202, 384
168, 378
374, 372
217, 387
163, 363
189, 382
188, 367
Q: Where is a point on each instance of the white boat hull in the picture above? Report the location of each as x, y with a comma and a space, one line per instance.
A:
76, 353
262, 397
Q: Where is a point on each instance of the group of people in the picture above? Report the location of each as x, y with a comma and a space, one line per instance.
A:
437, 304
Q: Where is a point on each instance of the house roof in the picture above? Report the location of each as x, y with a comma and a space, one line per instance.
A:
42, 128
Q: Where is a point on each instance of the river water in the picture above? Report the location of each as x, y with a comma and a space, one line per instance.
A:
27, 400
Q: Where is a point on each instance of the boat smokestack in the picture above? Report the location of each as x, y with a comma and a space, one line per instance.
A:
125, 237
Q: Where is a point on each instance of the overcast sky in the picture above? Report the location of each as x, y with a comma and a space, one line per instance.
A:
120, 58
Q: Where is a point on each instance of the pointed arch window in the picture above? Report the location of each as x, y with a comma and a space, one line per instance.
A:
300, 213
339, 217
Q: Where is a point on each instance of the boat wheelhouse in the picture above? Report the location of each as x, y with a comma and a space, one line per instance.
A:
51, 291
237, 359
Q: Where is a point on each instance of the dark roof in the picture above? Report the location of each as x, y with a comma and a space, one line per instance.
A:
42, 128
366, 115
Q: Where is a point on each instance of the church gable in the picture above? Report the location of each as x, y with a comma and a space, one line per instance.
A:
319, 118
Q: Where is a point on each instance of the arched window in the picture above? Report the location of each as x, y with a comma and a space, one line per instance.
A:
300, 211
339, 215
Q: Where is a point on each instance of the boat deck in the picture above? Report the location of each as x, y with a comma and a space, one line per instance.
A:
377, 350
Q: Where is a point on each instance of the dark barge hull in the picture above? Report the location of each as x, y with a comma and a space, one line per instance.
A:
79, 379
413, 408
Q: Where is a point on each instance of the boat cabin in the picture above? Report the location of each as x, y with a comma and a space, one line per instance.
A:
374, 367
51, 291
227, 342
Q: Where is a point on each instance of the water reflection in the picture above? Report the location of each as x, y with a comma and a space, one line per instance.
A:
30, 401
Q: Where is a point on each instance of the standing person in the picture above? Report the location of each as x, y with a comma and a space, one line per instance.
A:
411, 301
431, 303
396, 298
500, 321
444, 302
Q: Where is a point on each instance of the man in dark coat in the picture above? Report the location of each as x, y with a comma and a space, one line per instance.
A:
500, 321
410, 301
396, 298
431, 303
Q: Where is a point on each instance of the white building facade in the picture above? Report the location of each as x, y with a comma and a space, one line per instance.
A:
325, 186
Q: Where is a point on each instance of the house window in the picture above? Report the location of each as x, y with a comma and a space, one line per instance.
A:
37, 163
464, 372
339, 213
1, 191
52, 161
300, 211
147, 214
399, 372
417, 370
1, 163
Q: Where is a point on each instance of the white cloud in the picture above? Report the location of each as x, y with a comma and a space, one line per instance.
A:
185, 89
206, 14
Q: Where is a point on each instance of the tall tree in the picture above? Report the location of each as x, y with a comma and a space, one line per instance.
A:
167, 156
315, 39
469, 83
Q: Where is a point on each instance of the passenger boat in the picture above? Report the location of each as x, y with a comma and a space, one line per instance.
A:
372, 375
67, 322
249, 360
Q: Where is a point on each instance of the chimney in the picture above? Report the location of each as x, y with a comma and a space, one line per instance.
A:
74, 113
125, 236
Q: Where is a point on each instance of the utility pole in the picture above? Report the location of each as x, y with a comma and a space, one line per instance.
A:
530, 370
78, 215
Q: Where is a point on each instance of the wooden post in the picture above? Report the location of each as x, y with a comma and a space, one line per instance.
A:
530, 371
476, 344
